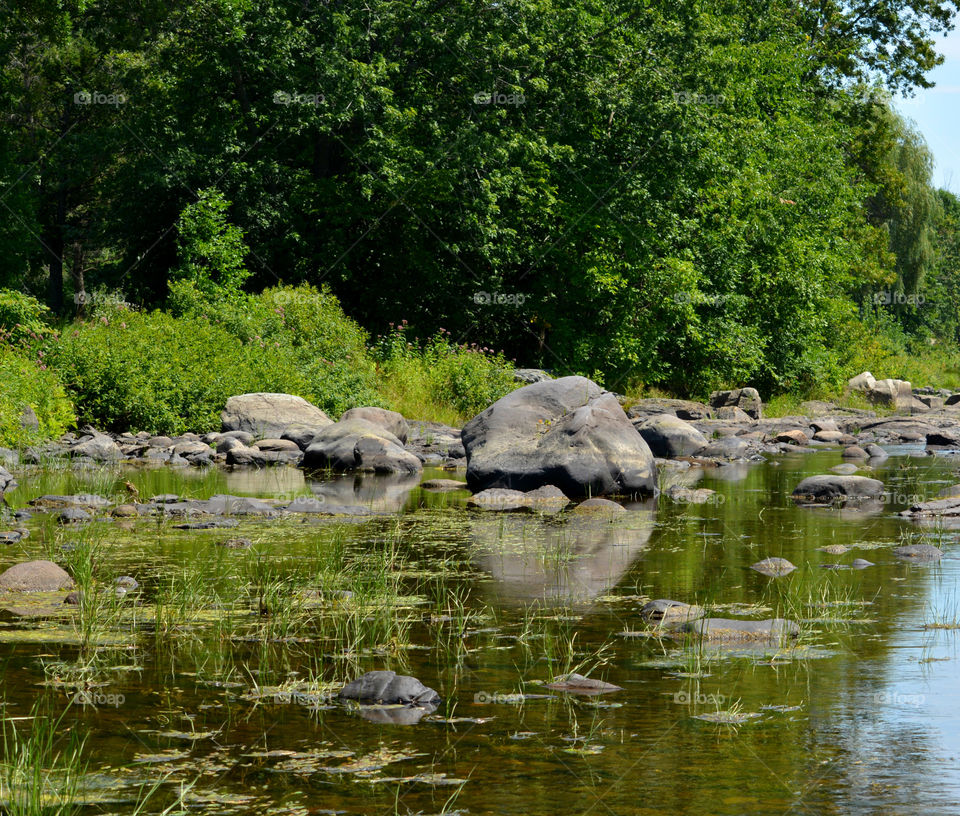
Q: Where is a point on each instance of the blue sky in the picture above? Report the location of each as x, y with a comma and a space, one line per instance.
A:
936, 113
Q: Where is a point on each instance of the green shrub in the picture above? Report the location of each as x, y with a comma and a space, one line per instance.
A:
211, 248
440, 380
22, 318
155, 372
24, 383
307, 325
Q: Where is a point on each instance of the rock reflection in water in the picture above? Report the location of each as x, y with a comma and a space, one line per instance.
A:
565, 559
380, 493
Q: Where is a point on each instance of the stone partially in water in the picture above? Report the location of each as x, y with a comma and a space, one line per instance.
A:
663, 611
598, 505
578, 684
73, 515
834, 549
855, 452
861, 563
35, 576
567, 432
918, 552
830, 488
669, 437
727, 629
773, 567
443, 485
388, 687
547, 498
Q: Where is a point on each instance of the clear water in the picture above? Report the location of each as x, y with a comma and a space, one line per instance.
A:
861, 717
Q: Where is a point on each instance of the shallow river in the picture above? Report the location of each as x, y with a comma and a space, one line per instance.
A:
214, 678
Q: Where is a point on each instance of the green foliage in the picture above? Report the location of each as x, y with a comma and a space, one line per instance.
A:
24, 383
152, 371
440, 380
691, 196
305, 327
23, 318
211, 249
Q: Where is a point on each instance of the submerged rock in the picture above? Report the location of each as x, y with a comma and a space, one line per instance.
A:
387, 687
688, 495
236, 543
773, 567
35, 576
918, 552
663, 611
727, 629
578, 684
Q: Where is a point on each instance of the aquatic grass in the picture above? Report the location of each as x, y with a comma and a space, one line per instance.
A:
945, 614
42, 771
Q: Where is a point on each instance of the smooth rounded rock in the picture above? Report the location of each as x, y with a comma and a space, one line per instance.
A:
36, 576
830, 488
567, 432
390, 688
773, 567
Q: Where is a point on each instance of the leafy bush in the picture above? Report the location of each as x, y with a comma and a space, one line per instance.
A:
440, 380
306, 326
211, 249
22, 384
155, 372
22, 318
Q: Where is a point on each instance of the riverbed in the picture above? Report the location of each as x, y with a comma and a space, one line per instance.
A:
211, 687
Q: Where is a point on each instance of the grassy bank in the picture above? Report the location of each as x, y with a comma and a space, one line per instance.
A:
172, 370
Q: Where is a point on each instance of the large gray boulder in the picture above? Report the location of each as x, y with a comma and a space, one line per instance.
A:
567, 432
356, 444
97, 446
746, 399
388, 420
829, 488
7, 482
35, 576
389, 688
896, 394
266, 415
669, 437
